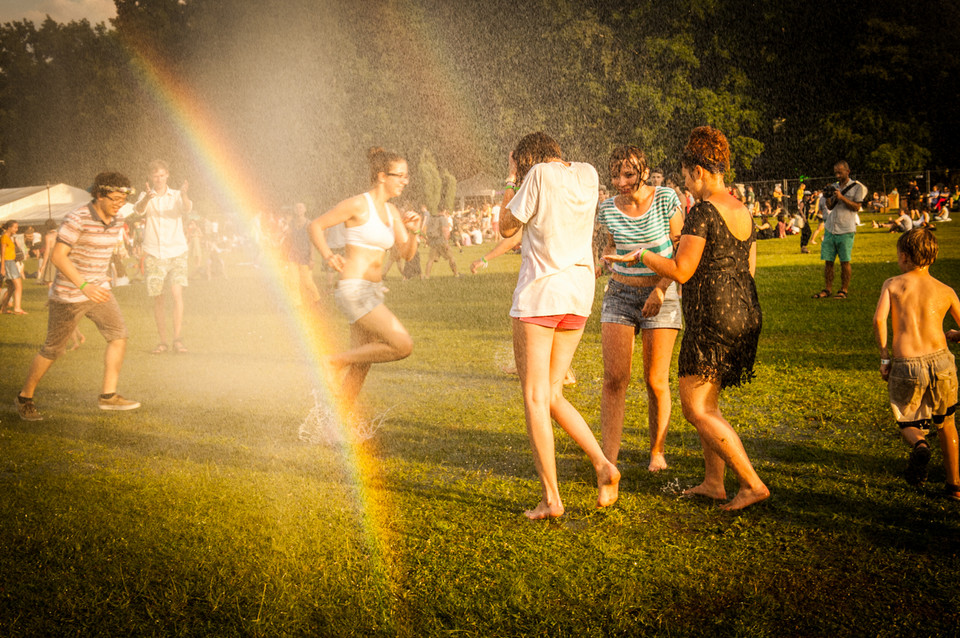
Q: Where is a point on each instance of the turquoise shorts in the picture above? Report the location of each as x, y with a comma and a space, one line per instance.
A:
834, 246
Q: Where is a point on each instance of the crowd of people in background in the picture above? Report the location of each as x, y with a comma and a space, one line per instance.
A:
659, 231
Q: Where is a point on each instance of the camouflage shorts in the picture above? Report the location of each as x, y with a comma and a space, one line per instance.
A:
157, 270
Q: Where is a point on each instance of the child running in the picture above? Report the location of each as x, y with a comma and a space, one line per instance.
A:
922, 374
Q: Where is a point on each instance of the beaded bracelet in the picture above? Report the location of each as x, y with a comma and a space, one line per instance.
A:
83, 284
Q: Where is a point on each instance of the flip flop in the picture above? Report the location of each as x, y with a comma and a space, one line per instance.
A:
179, 348
160, 349
823, 293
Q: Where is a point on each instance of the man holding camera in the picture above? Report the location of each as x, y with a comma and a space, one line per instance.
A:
840, 202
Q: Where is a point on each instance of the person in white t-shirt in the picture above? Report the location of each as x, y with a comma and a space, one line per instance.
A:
554, 205
165, 249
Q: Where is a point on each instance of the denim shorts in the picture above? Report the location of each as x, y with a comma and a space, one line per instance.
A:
357, 297
623, 304
12, 269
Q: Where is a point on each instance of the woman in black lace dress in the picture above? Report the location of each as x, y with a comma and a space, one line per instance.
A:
715, 260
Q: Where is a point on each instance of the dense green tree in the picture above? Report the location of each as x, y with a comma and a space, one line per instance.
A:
286, 96
449, 199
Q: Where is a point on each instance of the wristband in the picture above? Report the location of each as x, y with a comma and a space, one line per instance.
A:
83, 284
640, 256
884, 362
484, 260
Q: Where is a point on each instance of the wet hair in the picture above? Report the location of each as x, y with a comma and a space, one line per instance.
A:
381, 161
919, 246
630, 155
158, 164
707, 148
533, 149
108, 182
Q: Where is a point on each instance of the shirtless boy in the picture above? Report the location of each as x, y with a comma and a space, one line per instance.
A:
922, 374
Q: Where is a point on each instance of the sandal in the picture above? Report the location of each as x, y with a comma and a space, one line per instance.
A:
823, 293
841, 294
160, 349
178, 347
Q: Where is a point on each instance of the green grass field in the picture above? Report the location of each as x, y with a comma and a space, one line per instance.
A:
202, 514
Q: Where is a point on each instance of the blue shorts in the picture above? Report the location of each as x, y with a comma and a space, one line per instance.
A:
12, 269
623, 304
834, 246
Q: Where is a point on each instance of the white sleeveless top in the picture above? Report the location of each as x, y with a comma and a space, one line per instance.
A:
373, 233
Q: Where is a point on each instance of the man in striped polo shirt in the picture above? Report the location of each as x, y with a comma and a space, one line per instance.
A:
85, 242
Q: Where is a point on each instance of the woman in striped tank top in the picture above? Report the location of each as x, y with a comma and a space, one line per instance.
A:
638, 300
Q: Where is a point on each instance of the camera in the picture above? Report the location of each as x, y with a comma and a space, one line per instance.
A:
830, 194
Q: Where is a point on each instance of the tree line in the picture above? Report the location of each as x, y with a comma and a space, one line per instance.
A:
302, 88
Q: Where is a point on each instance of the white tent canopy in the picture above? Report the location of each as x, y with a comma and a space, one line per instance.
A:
36, 204
478, 190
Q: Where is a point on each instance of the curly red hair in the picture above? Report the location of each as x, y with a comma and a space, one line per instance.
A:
707, 148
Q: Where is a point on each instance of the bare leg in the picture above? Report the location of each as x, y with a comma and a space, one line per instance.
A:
176, 292
379, 337
112, 362
309, 294
948, 448
17, 294
38, 368
657, 355
543, 358
617, 342
846, 274
700, 400
158, 316
828, 275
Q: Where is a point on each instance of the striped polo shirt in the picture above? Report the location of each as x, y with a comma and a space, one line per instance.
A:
92, 243
650, 230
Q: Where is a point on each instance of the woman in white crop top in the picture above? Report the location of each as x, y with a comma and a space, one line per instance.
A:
372, 225
554, 206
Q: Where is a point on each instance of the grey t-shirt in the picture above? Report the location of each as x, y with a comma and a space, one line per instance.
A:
843, 219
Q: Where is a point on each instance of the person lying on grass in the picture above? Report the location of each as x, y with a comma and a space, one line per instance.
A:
922, 374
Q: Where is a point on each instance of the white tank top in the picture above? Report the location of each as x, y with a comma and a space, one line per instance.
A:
373, 233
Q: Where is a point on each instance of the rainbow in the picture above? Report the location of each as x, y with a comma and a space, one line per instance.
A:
217, 157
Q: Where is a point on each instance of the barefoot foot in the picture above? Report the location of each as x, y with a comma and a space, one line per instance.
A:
544, 510
657, 462
746, 497
608, 484
710, 491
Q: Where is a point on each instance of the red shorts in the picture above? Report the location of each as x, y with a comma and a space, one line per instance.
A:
558, 322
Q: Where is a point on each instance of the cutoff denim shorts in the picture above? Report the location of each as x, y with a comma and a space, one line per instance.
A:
357, 297
623, 304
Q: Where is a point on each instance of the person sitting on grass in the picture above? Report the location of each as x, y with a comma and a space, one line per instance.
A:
922, 374
901, 224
